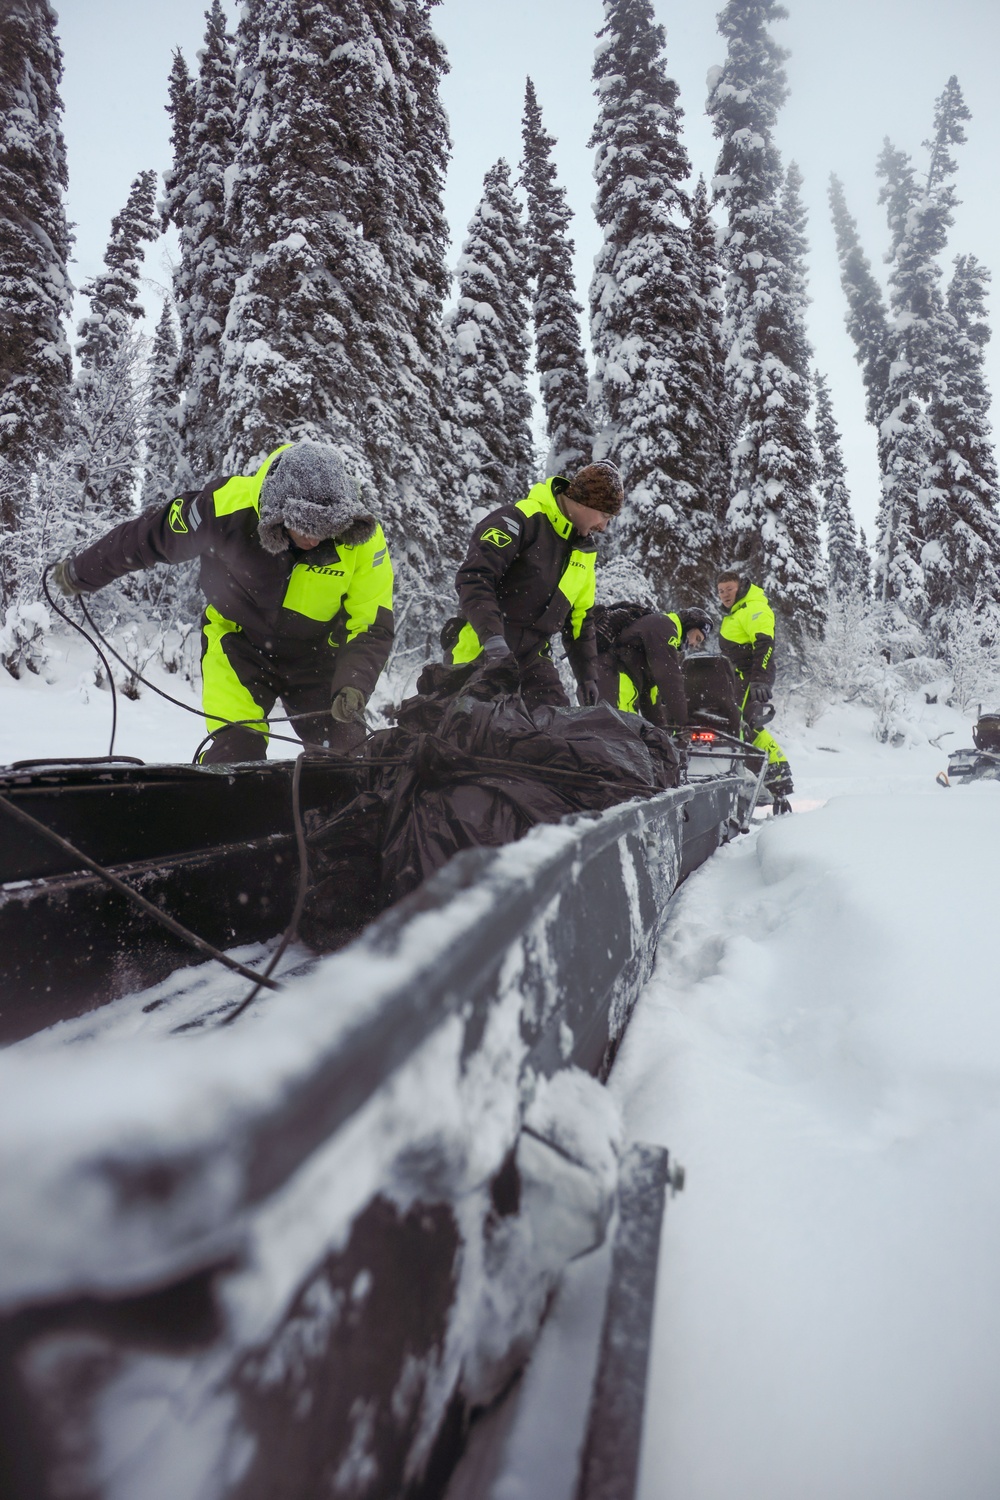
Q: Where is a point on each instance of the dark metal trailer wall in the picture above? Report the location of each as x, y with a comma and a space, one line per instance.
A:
289, 1257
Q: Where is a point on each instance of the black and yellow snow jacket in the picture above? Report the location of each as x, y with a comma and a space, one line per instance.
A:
287, 603
527, 575
638, 667
746, 635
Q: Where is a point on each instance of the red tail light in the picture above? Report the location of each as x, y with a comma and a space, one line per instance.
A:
703, 736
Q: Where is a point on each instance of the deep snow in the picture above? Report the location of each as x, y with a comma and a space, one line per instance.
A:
820, 1047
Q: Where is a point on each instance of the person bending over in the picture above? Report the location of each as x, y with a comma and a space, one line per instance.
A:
638, 667
529, 573
298, 583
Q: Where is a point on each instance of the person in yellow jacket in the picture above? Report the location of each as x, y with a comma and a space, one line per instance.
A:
529, 572
298, 582
746, 636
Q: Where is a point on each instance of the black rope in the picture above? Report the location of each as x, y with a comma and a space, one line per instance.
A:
165, 920
177, 702
80, 631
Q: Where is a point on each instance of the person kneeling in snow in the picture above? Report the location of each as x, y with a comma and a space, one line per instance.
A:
638, 659
298, 581
530, 572
746, 636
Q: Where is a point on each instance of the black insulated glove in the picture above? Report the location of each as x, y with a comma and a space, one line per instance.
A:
589, 693
759, 693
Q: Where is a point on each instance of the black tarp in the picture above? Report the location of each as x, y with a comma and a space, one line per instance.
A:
464, 772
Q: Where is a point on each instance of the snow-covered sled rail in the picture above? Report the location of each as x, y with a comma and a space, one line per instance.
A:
290, 1256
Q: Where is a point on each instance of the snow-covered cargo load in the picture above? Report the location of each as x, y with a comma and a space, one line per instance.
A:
292, 1255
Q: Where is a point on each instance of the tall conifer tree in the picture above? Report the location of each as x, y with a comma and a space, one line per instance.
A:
708, 431
168, 595
36, 294
773, 514
203, 115
488, 332
915, 566
297, 348
415, 150
35, 291
644, 305
334, 330
108, 394
559, 358
963, 515
841, 540
867, 315
162, 463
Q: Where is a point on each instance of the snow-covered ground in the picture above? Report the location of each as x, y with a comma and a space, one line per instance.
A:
820, 1047
60, 712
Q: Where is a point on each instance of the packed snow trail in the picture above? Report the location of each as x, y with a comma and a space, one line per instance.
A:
820, 1047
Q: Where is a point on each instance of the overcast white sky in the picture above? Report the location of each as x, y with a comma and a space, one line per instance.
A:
859, 70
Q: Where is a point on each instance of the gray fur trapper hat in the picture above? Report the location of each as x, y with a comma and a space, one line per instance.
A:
308, 489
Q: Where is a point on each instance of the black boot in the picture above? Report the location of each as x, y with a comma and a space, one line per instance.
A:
778, 781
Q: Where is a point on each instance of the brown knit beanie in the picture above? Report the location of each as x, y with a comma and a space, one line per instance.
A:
599, 487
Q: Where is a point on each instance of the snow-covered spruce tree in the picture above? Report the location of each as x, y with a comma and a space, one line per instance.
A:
962, 515
203, 137
109, 397
708, 432
559, 358
414, 236
489, 345
334, 328
841, 540
35, 291
162, 461
919, 216
867, 315
864, 565
644, 306
773, 514
167, 595
298, 357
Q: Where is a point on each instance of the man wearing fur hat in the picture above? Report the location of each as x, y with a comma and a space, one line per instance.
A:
530, 572
298, 583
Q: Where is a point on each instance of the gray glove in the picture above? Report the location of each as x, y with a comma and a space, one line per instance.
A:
759, 692
495, 648
348, 706
589, 693
65, 579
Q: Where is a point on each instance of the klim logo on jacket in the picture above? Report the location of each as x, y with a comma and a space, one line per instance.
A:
497, 537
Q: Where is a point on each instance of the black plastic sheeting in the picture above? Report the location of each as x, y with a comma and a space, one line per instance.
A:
463, 773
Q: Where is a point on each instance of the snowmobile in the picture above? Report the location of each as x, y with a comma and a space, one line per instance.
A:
719, 734
981, 763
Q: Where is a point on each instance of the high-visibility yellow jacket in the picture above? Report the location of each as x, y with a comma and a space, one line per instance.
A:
288, 603
746, 634
528, 574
